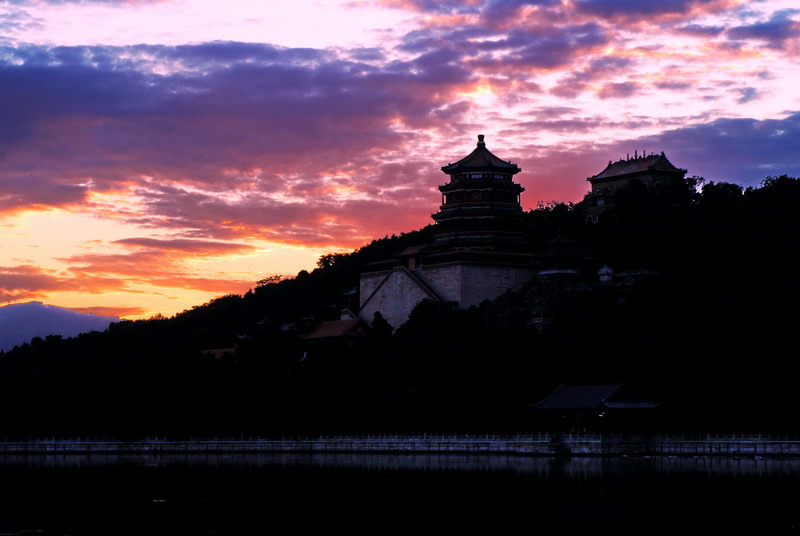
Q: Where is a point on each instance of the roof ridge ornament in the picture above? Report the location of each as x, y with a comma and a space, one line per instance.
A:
480, 139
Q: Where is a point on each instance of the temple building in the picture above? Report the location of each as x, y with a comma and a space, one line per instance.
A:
654, 171
480, 204
479, 249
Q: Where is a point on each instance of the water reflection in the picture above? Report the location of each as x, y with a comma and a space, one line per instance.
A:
387, 493
539, 466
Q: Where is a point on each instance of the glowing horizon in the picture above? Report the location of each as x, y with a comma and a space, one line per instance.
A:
159, 153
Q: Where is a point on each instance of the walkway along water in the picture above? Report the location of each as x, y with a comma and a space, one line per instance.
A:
533, 444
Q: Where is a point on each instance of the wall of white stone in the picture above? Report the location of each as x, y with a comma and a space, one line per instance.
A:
397, 296
446, 280
488, 282
464, 283
470, 284
369, 282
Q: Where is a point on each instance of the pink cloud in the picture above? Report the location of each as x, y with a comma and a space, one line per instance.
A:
182, 245
27, 282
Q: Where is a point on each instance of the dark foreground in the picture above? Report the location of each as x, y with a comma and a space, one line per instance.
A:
393, 493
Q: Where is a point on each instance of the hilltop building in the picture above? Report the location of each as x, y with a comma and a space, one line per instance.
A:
654, 171
480, 205
479, 248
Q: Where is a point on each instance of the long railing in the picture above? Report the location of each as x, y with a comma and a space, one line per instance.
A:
525, 444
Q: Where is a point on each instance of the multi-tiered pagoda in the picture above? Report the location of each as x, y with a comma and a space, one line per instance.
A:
480, 205
478, 250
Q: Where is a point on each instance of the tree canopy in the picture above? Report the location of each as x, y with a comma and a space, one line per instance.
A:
706, 335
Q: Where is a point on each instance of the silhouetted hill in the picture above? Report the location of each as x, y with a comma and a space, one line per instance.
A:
696, 319
19, 323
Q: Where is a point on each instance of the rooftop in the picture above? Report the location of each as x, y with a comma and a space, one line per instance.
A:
336, 328
592, 396
638, 164
481, 159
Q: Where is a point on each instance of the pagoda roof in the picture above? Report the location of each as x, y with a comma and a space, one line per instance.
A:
638, 165
481, 159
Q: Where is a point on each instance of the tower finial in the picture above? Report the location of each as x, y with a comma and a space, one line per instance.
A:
480, 140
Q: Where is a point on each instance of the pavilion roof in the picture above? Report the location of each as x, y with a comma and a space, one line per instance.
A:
336, 328
636, 165
481, 159
576, 397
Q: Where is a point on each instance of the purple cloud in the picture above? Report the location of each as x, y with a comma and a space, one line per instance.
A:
237, 118
613, 8
618, 90
203, 247
744, 151
775, 32
596, 69
747, 94
701, 31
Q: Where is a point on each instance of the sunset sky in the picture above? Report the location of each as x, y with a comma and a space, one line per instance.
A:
155, 154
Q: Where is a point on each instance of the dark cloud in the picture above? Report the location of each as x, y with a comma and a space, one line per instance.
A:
435, 6
638, 8
738, 150
228, 117
18, 192
701, 31
488, 9
466, 39
775, 32
673, 86
540, 47
565, 124
560, 47
596, 69
16, 20
503, 10
317, 220
618, 90
366, 54
744, 151
747, 94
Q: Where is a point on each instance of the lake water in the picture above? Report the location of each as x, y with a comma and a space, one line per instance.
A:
394, 493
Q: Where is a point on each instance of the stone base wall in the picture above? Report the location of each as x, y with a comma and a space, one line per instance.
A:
396, 292
393, 293
469, 284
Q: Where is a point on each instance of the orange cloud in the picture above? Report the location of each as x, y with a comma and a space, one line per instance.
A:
27, 282
119, 312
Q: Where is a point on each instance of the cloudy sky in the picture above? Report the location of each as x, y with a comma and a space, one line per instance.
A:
155, 154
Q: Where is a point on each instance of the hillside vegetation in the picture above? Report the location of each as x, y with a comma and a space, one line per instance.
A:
707, 335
